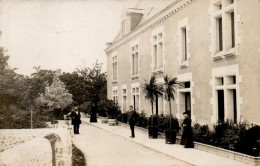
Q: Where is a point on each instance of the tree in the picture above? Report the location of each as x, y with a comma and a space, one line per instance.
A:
76, 85
55, 97
38, 82
8, 93
152, 90
170, 85
96, 90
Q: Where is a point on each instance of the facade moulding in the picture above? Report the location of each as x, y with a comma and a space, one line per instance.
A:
150, 23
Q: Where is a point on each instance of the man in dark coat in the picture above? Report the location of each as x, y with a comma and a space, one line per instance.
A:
187, 138
75, 120
132, 121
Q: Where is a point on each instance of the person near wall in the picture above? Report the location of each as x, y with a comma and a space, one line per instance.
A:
75, 120
187, 138
132, 121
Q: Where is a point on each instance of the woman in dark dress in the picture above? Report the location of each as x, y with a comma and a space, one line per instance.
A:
187, 138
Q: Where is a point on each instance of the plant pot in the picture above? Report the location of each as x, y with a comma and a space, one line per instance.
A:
170, 136
153, 131
112, 122
104, 119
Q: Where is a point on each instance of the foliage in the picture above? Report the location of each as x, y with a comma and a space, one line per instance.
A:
36, 84
111, 108
142, 120
202, 134
16, 118
151, 91
85, 107
14, 101
237, 137
76, 85
163, 121
78, 158
55, 97
95, 82
8, 82
170, 85
123, 117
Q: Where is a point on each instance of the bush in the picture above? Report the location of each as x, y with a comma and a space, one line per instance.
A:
16, 118
163, 121
112, 109
123, 117
202, 134
142, 120
230, 136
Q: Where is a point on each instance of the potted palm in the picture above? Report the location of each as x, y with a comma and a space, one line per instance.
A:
151, 91
170, 85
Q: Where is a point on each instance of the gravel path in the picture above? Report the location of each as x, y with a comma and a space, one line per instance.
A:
103, 148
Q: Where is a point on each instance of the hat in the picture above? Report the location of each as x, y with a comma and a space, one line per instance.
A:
186, 112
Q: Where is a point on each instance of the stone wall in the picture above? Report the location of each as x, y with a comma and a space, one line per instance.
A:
36, 147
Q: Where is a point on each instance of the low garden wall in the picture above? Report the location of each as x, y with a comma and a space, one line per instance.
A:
255, 161
23, 147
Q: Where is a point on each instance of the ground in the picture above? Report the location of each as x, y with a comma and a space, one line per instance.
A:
104, 148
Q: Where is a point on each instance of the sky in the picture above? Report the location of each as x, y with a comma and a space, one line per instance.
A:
58, 34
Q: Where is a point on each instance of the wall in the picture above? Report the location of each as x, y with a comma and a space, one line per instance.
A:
201, 63
34, 152
30, 147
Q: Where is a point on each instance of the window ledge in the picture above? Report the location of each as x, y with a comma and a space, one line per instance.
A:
114, 81
218, 56
135, 76
230, 53
157, 71
184, 64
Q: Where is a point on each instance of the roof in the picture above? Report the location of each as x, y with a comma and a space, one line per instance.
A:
149, 8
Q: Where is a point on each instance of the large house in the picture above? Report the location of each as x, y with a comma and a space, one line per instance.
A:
211, 46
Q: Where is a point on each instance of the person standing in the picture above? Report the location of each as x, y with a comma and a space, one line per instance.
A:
187, 138
78, 121
75, 120
132, 120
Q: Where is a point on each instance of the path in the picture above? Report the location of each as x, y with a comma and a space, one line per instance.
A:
104, 148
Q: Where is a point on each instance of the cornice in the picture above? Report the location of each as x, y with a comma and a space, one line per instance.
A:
150, 23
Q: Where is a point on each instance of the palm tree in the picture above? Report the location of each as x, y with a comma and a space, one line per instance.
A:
170, 86
152, 90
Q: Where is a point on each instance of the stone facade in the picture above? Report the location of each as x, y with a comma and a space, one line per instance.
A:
211, 46
36, 147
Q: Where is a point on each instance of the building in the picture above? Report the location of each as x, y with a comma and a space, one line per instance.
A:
211, 46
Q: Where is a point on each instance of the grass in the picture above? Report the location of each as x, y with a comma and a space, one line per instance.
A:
78, 158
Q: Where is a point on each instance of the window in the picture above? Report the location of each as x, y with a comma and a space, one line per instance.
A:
185, 97
183, 43
124, 101
114, 67
225, 94
223, 28
115, 98
135, 60
219, 34
232, 20
157, 50
136, 98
